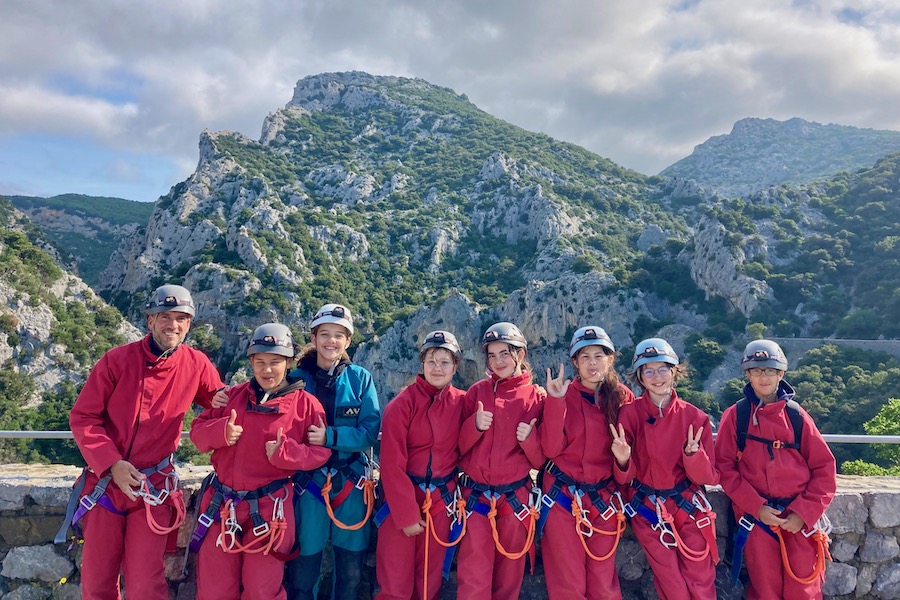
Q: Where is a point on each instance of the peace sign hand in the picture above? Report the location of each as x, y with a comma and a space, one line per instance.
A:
620, 448
557, 387
692, 446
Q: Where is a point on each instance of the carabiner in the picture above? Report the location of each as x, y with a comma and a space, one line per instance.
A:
700, 500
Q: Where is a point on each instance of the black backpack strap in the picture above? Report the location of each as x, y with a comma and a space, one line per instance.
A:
796, 417
742, 408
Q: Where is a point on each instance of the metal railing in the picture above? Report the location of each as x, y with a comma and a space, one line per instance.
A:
831, 438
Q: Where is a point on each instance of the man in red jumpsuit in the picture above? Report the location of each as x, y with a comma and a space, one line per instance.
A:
126, 421
779, 485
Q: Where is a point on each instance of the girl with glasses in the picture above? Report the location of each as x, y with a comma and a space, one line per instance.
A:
419, 459
579, 552
663, 448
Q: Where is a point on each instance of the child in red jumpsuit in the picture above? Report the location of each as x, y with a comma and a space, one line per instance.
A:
419, 452
579, 556
671, 461
781, 487
259, 439
499, 448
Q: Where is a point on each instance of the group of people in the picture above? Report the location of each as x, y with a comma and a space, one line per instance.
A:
294, 470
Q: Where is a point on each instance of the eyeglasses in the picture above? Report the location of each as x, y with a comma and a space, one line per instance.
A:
759, 372
443, 365
661, 371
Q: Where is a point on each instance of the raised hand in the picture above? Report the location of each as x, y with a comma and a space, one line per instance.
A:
692, 446
620, 448
272, 446
127, 477
316, 433
233, 431
483, 418
557, 387
524, 430
221, 397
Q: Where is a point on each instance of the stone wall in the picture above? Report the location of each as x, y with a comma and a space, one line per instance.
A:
865, 514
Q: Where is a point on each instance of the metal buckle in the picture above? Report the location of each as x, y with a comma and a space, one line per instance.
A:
522, 513
205, 520
547, 501
261, 530
701, 501
360, 483
777, 444
702, 522
87, 502
746, 523
629, 511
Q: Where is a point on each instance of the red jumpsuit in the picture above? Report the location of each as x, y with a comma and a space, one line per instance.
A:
657, 438
807, 475
420, 436
132, 407
244, 466
496, 457
575, 436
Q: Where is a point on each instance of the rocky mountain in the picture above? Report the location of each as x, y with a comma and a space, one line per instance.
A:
418, 210
84, 230
52, 325
759, 153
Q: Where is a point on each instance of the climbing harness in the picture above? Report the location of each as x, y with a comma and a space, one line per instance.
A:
366, 483
661, 520
614, 507
817, 536
79, 504
268, 535
493, 493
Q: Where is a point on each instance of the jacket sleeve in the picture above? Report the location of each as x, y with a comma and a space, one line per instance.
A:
398, 488
532, 444
88, 419
552, 427
628, 422
700, 467
210, 382
469, 434
208, 428
811, 503
742, 494
364, 435
296, 453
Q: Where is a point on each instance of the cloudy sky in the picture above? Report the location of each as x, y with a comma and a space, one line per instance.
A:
108, 97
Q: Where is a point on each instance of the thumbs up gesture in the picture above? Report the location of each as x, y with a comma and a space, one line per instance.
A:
316, 433
524, 430
483, 418
272, 446
232, 431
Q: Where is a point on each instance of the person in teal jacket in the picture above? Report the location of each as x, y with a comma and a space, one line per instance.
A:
335, 502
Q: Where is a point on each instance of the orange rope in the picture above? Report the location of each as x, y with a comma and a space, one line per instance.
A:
686, 551
368, 495
529, 540
430, 531
821, 540
158, 529
581, 521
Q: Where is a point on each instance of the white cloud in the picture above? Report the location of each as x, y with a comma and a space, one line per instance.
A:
640, 82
